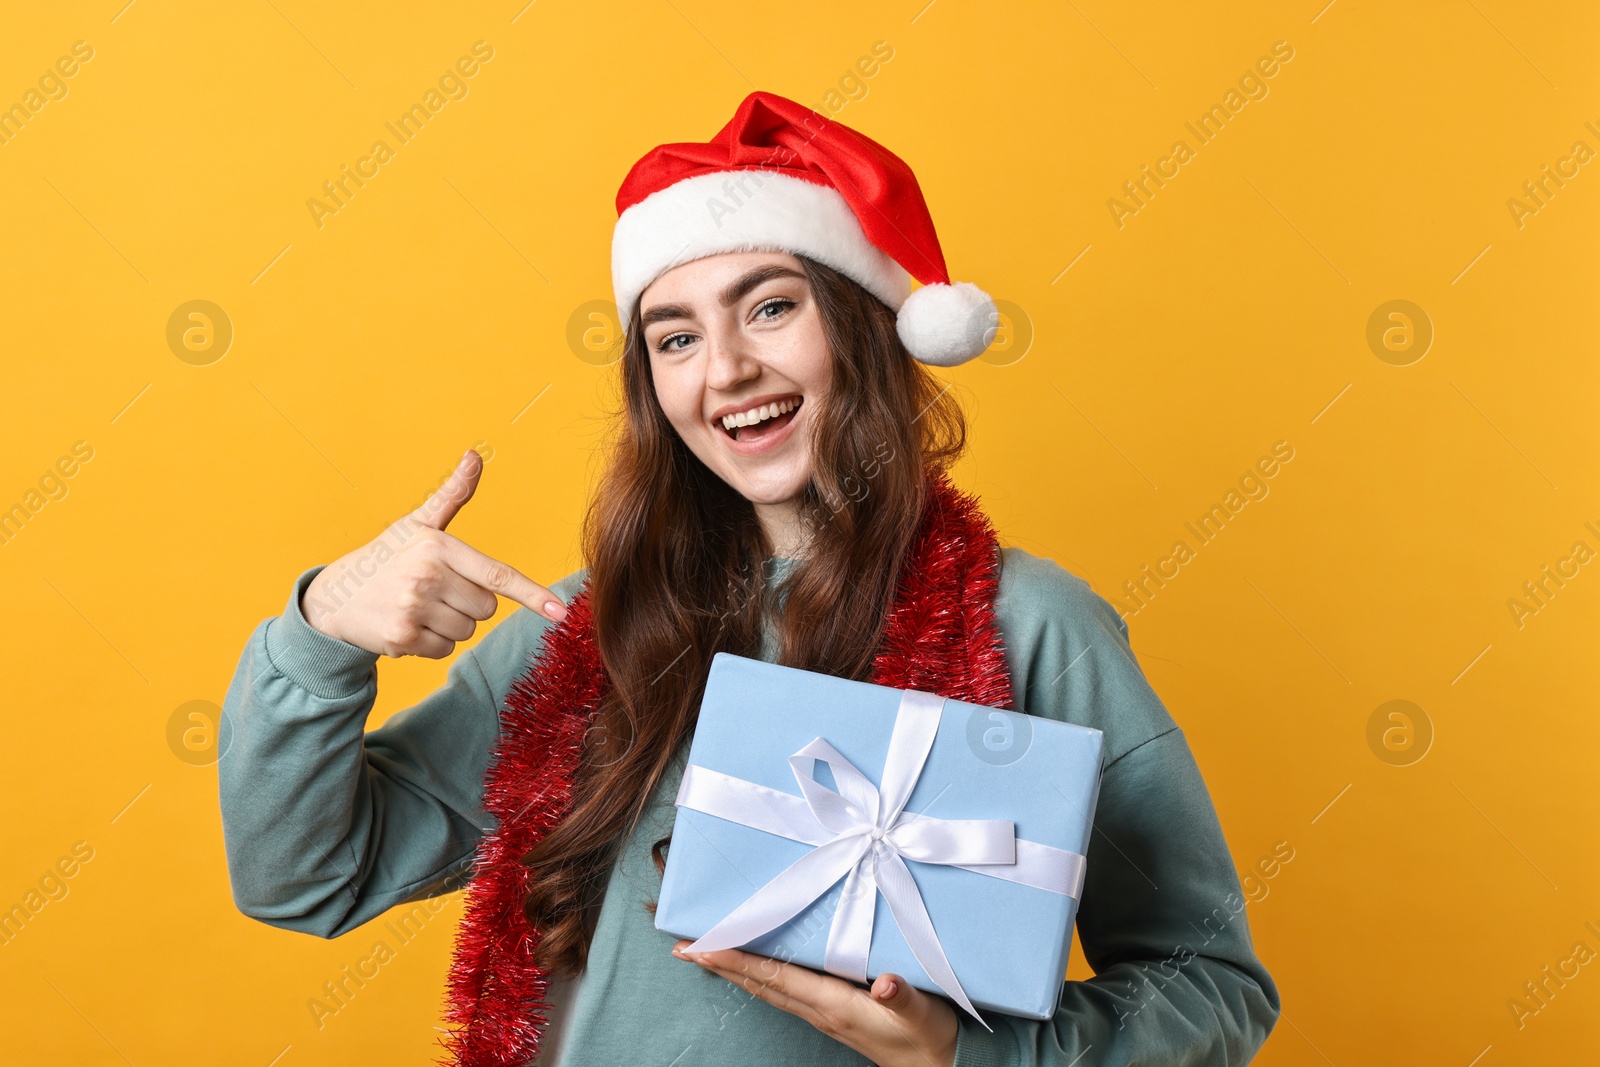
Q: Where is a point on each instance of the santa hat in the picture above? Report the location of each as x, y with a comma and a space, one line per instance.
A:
781, 177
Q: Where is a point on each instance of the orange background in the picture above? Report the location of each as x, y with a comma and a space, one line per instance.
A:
1148, 362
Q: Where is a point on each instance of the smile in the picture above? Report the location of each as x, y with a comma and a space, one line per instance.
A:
759, 414
761, 426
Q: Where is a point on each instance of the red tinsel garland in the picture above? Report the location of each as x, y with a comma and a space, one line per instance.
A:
940, 637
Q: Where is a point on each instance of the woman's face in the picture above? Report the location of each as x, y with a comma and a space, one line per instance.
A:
736, 334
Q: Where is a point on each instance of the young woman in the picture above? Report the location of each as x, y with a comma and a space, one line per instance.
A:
777, 489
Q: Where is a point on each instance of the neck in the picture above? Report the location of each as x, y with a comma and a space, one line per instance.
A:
781, 523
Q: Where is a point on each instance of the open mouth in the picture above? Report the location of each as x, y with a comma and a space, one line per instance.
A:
768, 423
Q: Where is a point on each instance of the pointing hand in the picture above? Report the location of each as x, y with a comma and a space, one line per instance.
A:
416, 590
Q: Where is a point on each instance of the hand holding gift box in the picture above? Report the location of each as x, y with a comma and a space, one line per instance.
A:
753, 865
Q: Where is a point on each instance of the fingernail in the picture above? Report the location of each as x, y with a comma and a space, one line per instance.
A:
889, 991
556, 610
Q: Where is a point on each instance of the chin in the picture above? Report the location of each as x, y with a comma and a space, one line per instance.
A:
774, 487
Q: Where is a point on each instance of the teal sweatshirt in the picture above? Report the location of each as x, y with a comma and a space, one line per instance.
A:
328, 825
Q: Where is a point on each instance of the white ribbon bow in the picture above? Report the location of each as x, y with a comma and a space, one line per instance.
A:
862, 834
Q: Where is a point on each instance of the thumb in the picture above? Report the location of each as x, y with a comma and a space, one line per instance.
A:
442, 505
892, 991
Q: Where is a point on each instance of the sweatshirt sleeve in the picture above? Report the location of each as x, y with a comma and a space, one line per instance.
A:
326, 825
1162, 918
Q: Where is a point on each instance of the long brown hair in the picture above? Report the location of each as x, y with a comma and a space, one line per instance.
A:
675, 575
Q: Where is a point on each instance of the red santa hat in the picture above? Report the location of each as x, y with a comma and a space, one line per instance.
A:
781, 177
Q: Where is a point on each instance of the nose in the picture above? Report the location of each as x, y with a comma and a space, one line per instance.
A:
729, 361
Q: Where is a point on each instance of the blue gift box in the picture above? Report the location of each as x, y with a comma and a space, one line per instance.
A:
1001, 910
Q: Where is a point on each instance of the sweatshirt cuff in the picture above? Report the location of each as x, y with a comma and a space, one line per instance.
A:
311, 659
977, 1047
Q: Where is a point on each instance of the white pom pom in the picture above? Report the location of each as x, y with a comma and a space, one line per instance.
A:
946, 325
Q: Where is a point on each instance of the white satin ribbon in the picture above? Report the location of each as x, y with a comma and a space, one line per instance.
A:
862, 834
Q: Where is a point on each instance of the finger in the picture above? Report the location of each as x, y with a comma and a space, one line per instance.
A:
917, 1016
779, 998
892, 991
428, 645
442, 505
501, 578
466, 597
779, 976
791, 988
447, 622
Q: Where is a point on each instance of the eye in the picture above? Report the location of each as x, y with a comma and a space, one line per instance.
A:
661, 345
780, 302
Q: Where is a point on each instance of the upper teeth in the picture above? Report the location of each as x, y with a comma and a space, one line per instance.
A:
760, 414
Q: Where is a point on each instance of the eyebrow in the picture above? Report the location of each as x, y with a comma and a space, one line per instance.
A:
730, 295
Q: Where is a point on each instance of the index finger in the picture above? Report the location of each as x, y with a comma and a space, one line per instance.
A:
501, 578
